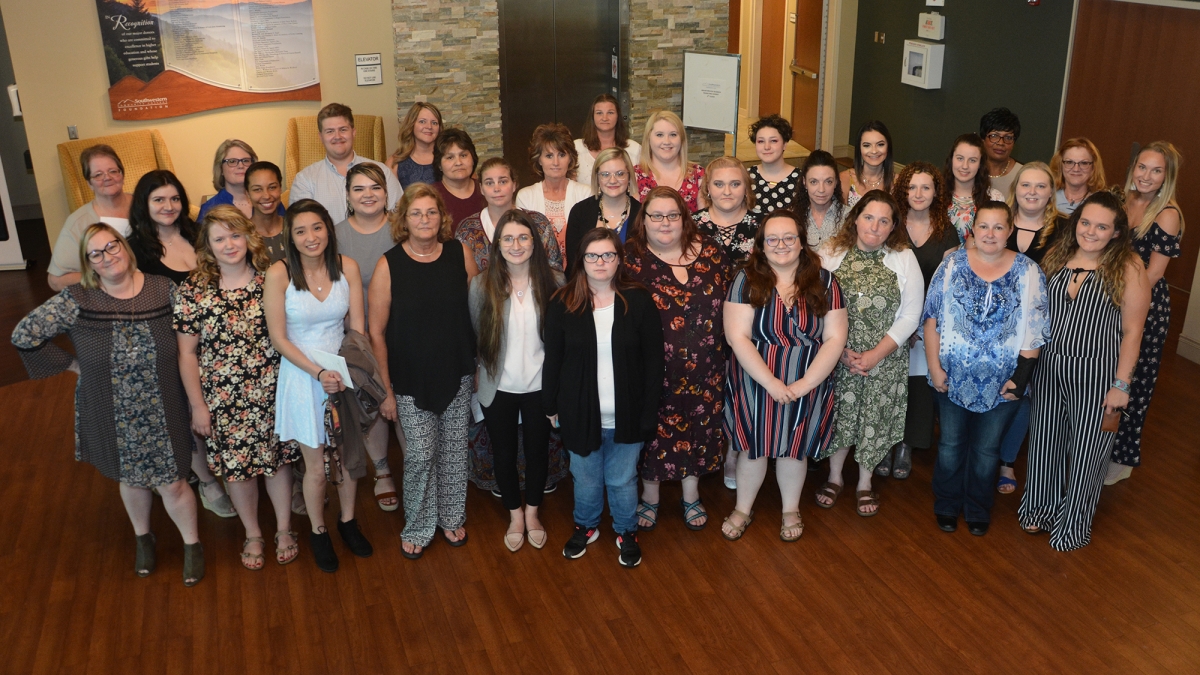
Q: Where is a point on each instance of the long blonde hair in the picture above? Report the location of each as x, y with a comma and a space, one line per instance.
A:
207, 272
1051, 215
684, 164
1166, 194
408, 141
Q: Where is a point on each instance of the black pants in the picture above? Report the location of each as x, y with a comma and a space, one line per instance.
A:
918, 422
501, 420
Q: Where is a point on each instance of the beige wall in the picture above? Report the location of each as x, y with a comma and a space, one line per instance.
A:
1189, 339
59, 64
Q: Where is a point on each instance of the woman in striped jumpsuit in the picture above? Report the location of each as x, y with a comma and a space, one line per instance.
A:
1099, 295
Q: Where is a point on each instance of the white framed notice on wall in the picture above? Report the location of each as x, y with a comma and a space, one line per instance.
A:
711, 85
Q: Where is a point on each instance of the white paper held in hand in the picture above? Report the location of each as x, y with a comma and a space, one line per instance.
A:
335, 363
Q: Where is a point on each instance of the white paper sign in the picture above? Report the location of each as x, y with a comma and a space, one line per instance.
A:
369, 68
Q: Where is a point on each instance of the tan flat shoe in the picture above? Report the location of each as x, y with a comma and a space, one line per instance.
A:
514, 540
537, 538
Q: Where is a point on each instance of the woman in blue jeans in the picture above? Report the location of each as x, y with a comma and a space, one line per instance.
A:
601, 382
985, 323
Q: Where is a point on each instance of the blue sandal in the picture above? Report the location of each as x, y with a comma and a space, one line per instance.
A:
693, 512
648, 511
1006, 482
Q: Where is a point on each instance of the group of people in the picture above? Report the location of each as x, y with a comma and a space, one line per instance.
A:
630, 315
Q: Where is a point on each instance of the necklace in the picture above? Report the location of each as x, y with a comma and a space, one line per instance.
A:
1007, 167
521, 292
309, 275
873, 184
421, 255
621, 220
132, 312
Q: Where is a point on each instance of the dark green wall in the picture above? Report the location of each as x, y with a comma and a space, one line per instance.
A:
998, 53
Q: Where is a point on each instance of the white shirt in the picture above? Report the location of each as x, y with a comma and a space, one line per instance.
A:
322, 182
523, 349
533, 197
587, 163
908, 277
605, 382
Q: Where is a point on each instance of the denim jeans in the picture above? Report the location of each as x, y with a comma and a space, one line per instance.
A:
613, 465
1017, 429
964, 477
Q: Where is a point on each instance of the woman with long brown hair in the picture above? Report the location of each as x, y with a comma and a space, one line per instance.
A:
786, 322
967, 181
601, 382
508, 302
413, 159
605, 128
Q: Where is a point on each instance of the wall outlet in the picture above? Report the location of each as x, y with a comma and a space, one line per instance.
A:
72, 133
935, 3
881, 38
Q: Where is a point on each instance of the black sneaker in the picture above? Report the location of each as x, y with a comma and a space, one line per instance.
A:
631, 553
323, 553
549, 489
577, 544
354, 539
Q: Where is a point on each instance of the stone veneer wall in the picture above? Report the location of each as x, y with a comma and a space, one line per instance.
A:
658, 33
448, 53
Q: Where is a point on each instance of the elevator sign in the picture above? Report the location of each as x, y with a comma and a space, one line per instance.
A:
369, 69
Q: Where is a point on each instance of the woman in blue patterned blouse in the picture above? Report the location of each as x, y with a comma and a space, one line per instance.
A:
985, 323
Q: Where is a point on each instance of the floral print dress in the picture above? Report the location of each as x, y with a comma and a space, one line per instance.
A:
737, 240
238, 373
870, 410
689, 189
690, 437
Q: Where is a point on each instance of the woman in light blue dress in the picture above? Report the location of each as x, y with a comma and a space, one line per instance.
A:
308, 296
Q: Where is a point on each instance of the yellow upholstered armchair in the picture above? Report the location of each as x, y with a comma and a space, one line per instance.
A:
303, 143
140, 151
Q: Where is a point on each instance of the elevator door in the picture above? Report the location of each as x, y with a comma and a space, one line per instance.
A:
556, 56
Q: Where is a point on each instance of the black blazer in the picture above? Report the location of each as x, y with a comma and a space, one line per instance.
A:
582, 218
569, 380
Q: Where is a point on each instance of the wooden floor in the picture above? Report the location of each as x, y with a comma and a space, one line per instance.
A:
855, 595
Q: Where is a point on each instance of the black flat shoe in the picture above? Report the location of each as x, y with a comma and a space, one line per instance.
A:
322, 549
977, 529
947, 523
455, 544
354, 539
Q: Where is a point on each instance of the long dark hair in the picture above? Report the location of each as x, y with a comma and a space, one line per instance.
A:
979, 189
635, 239
143, 237
939, 209
801, 203
333, 262
888, 162
497, 287
1117, 255
576, 294
591, 140
760, 276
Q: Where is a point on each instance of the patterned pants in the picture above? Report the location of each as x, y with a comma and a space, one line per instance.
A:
435, 466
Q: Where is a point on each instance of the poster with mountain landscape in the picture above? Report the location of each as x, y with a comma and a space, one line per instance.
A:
173, 57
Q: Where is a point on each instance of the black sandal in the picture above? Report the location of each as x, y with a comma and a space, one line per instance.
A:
193, 563
145, 561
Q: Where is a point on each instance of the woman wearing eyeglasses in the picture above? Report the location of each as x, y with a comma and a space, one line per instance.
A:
612, 208
508, 302
102, 169
786, 323
1078, 173
1000, 129
229, 178
131, 415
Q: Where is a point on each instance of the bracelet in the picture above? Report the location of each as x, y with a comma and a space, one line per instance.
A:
319, 373
1120, 385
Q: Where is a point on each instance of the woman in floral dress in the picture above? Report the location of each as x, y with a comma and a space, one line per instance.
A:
686, 274
229, 371
729, 219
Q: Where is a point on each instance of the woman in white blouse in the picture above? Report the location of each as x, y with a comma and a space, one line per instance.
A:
554, 159
605, 128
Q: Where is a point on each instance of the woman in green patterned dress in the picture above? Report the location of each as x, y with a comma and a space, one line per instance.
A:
883, 289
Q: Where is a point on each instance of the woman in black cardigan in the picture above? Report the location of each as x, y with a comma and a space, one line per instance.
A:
601, 381
612, 208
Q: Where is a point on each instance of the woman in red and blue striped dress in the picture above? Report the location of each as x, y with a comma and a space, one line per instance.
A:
786, 323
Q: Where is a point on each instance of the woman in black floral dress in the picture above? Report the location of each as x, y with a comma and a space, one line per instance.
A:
687, 274
1158, 227
229, 370
729, 218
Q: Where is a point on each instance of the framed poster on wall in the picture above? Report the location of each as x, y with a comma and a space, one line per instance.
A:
173, 57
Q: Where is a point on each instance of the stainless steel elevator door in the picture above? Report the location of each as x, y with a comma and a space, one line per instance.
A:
556, 56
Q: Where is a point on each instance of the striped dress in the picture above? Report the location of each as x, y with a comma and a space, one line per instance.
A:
1068, 454
788, 341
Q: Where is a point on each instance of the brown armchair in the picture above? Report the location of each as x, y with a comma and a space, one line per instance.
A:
140, 151
303, 144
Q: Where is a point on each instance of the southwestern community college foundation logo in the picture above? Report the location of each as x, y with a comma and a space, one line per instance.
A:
129, 104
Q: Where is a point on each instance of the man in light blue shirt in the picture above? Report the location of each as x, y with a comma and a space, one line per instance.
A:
325, 181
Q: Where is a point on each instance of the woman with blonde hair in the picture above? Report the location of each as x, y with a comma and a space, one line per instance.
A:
665, 160
604, 128
729, 218
413, 159
232, 159
1078, 173
612, 207
1157, 225
229, 371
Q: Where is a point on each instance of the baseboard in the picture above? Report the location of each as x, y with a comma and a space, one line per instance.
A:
1188, 349
27, 211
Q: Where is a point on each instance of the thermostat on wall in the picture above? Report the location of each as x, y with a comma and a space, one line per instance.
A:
932, 26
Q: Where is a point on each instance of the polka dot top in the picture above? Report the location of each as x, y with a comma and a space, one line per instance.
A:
769, 196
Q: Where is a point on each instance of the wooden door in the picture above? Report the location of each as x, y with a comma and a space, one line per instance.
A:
770, 64
1135, 78
735, 27
806, 69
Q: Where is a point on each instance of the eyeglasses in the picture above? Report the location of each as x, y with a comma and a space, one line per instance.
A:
418, 216
786, 241
658, 217
607, 256
111, 173
233, 161
605, 175
522, 239
1072, 164
111, 248
997, 137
